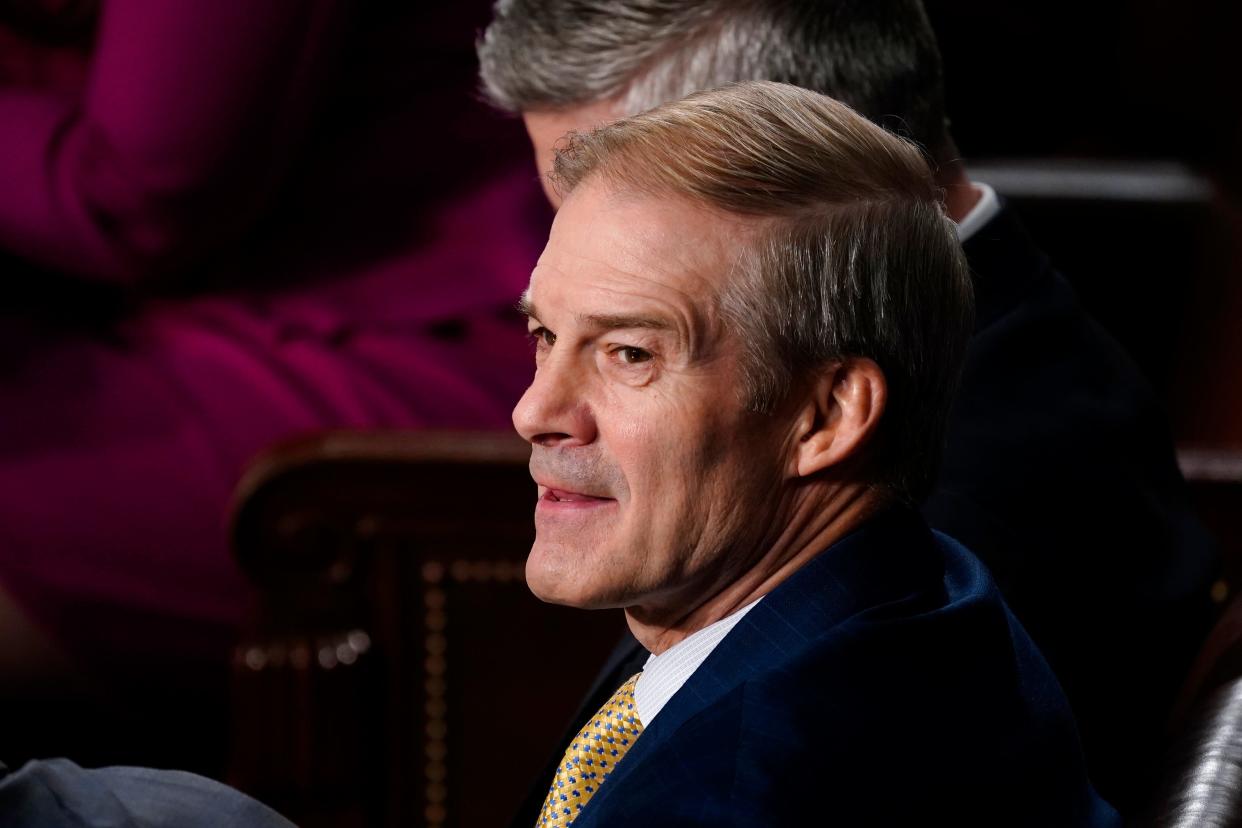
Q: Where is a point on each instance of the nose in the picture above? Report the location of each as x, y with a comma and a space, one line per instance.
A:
554, 411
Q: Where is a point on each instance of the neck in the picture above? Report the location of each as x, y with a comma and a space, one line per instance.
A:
960, 196
818, 522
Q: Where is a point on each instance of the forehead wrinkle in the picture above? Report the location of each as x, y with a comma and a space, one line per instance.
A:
586, 263
631, 249
612, 279
660, 276
694, 321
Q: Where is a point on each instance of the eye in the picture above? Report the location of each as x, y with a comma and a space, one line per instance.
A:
542, 338
629, 355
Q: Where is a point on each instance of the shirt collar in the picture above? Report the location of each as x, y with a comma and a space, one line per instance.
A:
985, 210
664, 674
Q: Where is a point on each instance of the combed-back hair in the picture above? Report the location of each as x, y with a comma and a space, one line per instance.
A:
878, 56
851, 255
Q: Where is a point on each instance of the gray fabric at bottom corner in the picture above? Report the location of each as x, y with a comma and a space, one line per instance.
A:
59, 794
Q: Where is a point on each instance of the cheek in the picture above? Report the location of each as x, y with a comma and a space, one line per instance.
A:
672, 459
736, 476
653, 434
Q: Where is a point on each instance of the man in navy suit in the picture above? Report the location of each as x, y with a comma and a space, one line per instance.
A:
1059, 471
749, 320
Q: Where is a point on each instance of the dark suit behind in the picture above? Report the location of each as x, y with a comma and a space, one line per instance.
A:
885, 683
1060, 474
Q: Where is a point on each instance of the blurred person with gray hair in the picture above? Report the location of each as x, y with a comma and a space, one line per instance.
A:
1059, 469
749, 321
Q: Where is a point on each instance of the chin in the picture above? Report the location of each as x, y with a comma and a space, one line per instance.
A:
553, 575
547, 574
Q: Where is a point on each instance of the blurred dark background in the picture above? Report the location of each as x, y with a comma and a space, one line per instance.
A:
1141, 89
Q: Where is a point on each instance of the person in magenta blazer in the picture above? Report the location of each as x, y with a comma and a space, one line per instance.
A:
248, 220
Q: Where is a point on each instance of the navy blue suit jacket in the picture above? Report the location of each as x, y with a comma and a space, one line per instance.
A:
885, 683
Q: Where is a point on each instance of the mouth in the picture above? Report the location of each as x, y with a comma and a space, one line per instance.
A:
550, 498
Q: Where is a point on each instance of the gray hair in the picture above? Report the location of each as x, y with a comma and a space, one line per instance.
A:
878, 56
853, 255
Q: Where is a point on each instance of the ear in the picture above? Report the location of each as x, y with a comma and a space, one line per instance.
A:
840, 414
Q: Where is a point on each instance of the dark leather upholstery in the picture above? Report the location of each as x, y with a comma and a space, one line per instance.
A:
1204, 788
1201, 785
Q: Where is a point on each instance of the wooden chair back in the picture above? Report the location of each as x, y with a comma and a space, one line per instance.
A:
397, 671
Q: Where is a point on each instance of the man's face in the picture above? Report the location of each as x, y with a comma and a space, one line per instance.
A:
656, 486
547, 128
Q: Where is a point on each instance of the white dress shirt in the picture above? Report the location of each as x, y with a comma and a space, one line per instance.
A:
985, 210
664, 674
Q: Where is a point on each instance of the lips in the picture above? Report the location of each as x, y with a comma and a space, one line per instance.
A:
552, 498
561, 496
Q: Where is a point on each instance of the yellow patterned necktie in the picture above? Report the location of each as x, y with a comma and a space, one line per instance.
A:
592, 755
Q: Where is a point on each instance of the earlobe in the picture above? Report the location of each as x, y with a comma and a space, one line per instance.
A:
842, 413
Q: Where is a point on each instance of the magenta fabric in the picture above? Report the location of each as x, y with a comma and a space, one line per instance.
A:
312, 223
176, 139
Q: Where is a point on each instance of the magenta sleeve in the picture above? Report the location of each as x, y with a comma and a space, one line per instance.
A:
190, 112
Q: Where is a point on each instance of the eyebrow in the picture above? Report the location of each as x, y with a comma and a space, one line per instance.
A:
526, 307
604, 321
